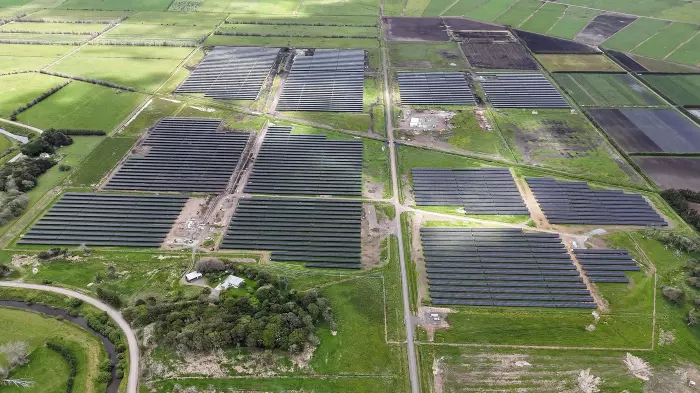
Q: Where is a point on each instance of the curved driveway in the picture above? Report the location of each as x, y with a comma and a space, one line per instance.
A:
134, 356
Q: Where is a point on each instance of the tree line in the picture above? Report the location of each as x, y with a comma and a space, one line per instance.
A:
37, 100
680, 201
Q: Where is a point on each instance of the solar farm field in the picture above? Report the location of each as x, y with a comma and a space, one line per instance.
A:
607, 90
575, 62
520, 90
681, 89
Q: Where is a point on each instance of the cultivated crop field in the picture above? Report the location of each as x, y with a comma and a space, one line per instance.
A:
574, 62
607, 90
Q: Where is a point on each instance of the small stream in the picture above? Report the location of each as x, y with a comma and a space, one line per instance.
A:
113, 385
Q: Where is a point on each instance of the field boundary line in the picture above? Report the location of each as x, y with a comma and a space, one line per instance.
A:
517, 346
558, 19
621, 13
648, 38
531, 15
448, 7
506, 10
80, 46
682, 43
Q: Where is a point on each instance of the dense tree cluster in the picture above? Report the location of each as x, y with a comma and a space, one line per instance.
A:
47, 143
268, 316
78, 132
16, 178
675, 241
680, 202
109, 297
37, 100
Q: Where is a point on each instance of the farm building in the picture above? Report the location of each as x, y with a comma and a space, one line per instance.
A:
230, 282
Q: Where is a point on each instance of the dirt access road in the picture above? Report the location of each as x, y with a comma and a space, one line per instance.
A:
134, 355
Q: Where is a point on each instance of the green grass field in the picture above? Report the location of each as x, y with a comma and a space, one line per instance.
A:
689, 53
607, 90
338, 7
74, 28
469, 136
296, 42
635, 33
681, 89
22, 38
19, 89
666, 40
253, 8
68, 16
178, 18
656, 65
545, 17
128, 5
286, 30
27, 57
518, 12
574, 62
141, 33
100, 161
46, 368
82, 105
158, 109
573, 21
5, 144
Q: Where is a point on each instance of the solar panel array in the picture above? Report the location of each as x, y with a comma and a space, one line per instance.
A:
606, 265
322, 233
501, 267
233, 73
107, 220
306, 165
332, 80
480, 191
520, 90
576, 203
435, 88
184, 154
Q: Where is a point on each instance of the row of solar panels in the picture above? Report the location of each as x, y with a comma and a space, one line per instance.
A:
323, 233
606, 265
460, 269
479, 191
306, 164
183, 154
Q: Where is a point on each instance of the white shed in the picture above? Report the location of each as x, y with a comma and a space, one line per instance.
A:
193, 276
230, 282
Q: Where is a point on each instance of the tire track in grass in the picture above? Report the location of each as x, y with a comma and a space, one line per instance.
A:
679, 46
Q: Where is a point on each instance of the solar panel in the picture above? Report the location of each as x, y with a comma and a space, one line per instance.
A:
107, 220
322, 233
480, 191
576, 203
185, 155
435, 88
520, 90
501, 267
606, 265
233, 73
327, 80
306, 165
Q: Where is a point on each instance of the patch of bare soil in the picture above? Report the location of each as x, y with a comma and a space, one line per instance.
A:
432, 319
375, 228
417, 255
484, 123
407, 192
425, 120
676, 380
536, 213
188, 225
373, 189
437, 376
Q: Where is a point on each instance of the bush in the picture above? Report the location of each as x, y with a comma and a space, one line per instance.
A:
64, 168
104, 376
209, 265
75, 303
673, 294
693, 316
4, 270
51, 253
109, 297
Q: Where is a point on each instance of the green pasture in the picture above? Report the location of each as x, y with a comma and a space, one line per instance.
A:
155, 33
63, 39
656, 65
432, 8
413, 54
82, 106
545, 17
126, 5
635, 33
286, 30
573, 21
356, 20
250, 7
142, 74
36, 27
667, 40
102, 159
681, 89
576, 62
28, 50
607, 90
204, 19
72, 15
338, 7
19, 89
678, 11
158, 109
467, 135
133, 52
5, 144
46, 368
294, 42
518, 12
688, 53
487, 11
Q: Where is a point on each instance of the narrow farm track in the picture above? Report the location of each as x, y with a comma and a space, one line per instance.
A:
37, 130
134, 355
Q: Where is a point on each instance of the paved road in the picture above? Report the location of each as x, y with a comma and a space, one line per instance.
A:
407, 314
20, 138
37, 130
134, 356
